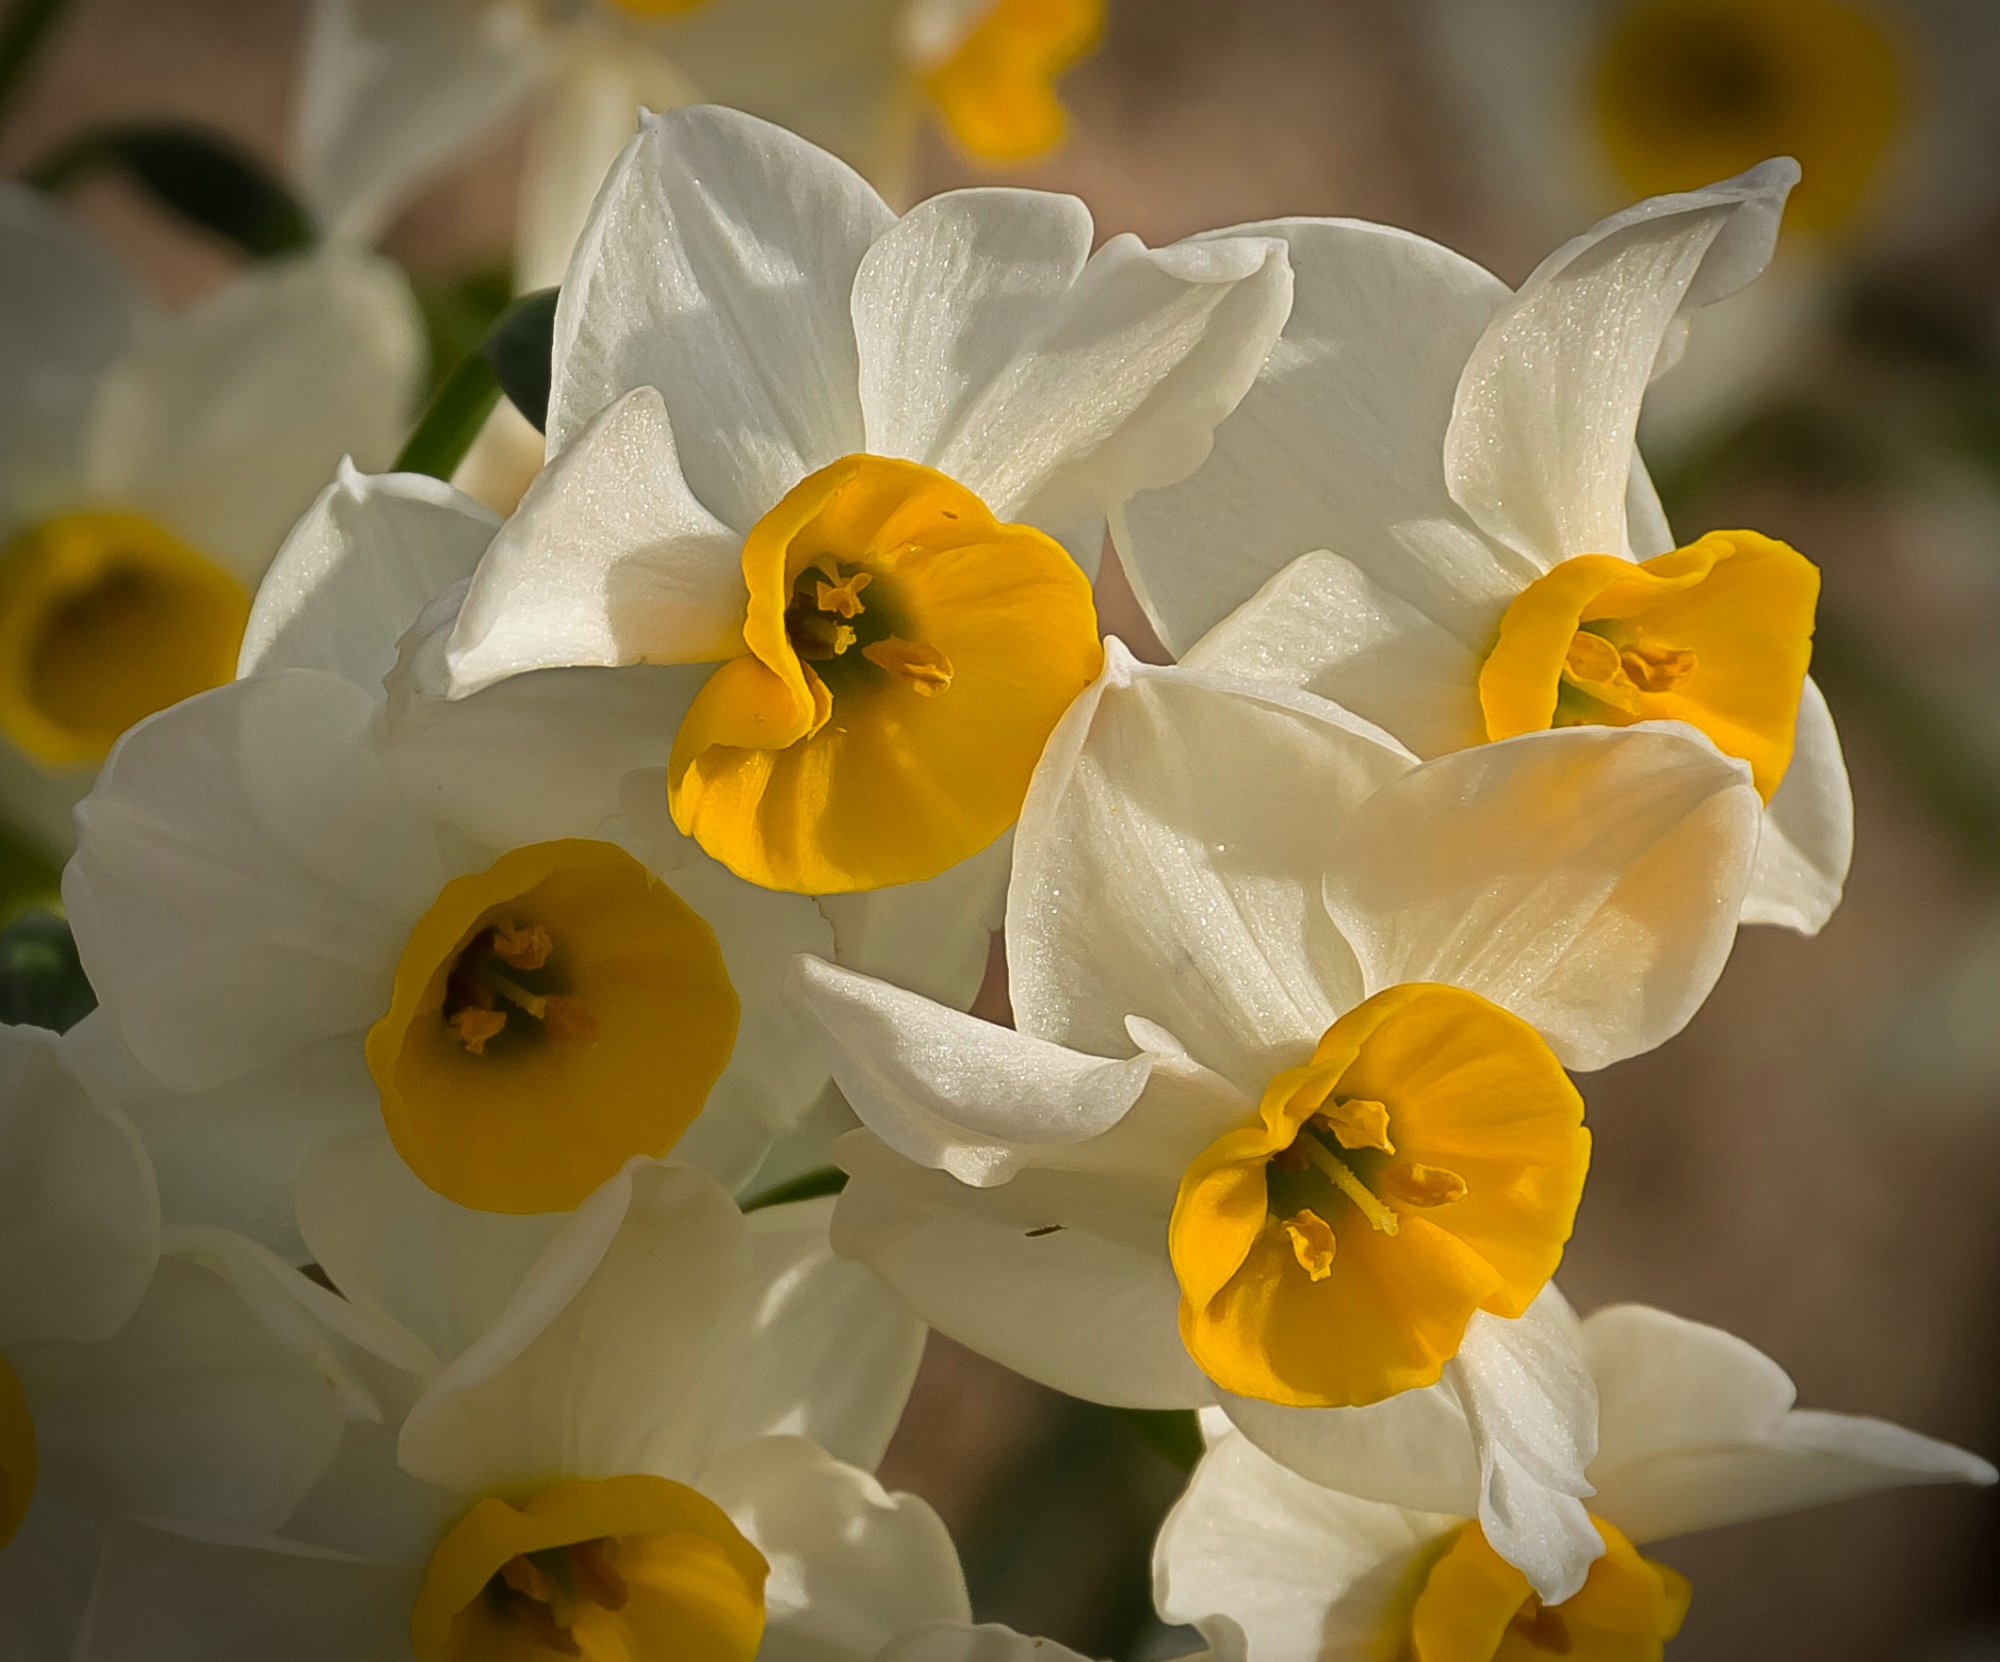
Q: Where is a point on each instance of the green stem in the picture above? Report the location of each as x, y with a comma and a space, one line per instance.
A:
457, 412
806, 1186
22, 35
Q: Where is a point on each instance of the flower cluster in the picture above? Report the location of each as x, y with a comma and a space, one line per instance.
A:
407, 1258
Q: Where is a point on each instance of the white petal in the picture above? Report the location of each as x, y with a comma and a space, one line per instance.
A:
391, 93
246, 877
369, 555
948, 298
226, 426
1154, 875
230, 1154
195, 1409
717, 266
1299, 1570
66, 314
1121, 386
1062, 1278
988, 1642
79, 1212
1541, 441
951, 1091
1588, 879
833, 1353
934, 937
608, 560
1808, 835
773, 1078
1699, 1430
398, 1251
852, 1565
1325, 626
1339, 445
179, 1593
618, 1354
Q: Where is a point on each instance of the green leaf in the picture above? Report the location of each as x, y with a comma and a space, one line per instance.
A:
806, 1186
42, 983
204, 177
446, 429
521, 349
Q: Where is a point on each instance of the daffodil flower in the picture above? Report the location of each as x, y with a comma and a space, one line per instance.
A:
1429, 509
392, 92
656, 1442
314, 912
129, 1357
1286, 1123
1577, 105
826, 460
1697, 1430
149, 468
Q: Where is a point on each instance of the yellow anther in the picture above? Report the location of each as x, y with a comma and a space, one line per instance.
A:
1420, 1185
1312, 1242
1593, 660
524, 1576
597, 1577
843, 595
1358, 1122
524, 949
475, 1027
516, 994
926, 669
1378, 1215
1656, 669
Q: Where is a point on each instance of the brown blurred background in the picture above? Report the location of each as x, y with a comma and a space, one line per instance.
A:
1814, 1163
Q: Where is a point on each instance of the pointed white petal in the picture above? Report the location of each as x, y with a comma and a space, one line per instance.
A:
1121, 386
226, 425
1699, 1430
934, 937
1060, 1276
852, 1566
1339, 445
988, 1642
79, 1212
951, 1091
609, 560
632, 1324
717, 266
1297, 1569
1325, 626
1588, 879
833, 1353
246, 877
180, 1593
1808, 835
369, 555
391, 93
1539, 451
1154, 875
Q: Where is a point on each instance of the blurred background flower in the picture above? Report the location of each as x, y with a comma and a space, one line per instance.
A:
1812, 1164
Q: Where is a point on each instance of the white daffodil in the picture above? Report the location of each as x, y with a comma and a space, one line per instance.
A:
311, 912
654, 1445
395, 90
1285, 1124
1429, 510
1577, 105
1698, 1430
149, 468
137, 1375
822, 458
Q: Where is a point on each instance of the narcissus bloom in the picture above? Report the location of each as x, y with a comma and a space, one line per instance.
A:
654, 1443
149, 468
827, 460
127, 1362
1430, 510
1697, 1430
312, 909
395, 92
1286, 1124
